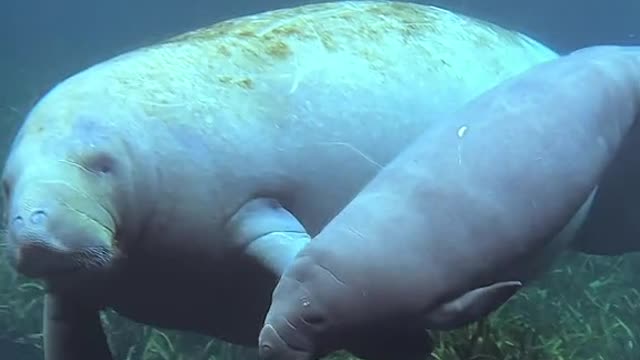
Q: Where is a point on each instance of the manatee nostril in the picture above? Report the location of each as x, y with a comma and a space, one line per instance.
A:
38, 217
265, 350
272, 346
17, 222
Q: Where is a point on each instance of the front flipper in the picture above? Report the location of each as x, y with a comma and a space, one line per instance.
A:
268, 232
383, 343
72, 331
472, 306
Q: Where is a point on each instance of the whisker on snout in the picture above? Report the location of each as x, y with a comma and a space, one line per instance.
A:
93, 258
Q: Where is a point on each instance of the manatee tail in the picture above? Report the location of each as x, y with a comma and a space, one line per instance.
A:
612, 226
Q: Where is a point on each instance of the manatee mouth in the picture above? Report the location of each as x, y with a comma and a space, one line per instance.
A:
46, 242
40, 260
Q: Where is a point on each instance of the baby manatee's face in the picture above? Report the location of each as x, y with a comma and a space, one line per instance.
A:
58, 187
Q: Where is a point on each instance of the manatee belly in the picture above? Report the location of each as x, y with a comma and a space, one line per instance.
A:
225, 301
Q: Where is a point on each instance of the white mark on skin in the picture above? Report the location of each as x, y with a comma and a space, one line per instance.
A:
305, 301
462, 131
297, 76
356, 150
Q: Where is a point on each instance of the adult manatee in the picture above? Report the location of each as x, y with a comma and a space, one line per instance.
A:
458, 214
174, 183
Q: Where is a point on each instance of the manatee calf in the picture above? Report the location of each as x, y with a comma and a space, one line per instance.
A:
174, 183
436, 234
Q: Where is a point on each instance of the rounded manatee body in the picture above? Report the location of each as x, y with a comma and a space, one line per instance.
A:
174, 183
454, 221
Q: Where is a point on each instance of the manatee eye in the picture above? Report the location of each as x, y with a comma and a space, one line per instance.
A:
101, 163
315, 319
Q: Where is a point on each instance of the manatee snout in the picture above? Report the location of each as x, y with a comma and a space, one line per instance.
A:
62, 187
53, 238
273, 347
30, 243
295, 322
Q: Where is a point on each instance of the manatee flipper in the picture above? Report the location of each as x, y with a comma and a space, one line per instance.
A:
72, 331
471, 306
402, 343
268, 232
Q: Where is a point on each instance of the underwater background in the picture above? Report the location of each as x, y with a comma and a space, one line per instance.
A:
585, 307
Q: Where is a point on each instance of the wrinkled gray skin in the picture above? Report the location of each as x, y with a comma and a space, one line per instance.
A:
174, 183
487, 189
